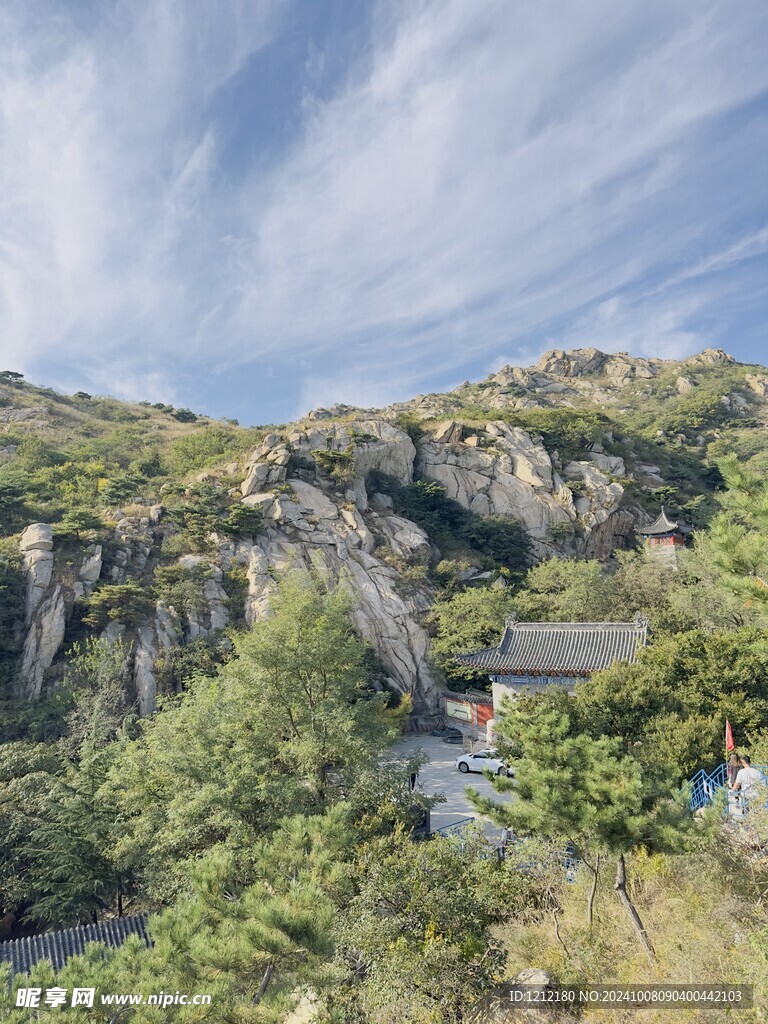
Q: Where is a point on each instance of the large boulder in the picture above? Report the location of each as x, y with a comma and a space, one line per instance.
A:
340, 548
37, 537
39, 572
510, 475
374, 444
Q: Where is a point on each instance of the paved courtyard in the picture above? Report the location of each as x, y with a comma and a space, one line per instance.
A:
440, 776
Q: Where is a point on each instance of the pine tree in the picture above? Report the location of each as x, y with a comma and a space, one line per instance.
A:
586, 792
72, 875
738, 537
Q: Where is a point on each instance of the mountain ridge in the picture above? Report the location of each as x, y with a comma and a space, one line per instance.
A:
160, 528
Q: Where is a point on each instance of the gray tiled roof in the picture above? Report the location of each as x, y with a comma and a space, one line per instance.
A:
470, 697
58, 947
663, 524
560, 648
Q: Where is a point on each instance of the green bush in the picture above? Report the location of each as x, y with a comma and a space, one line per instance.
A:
184, 415
202, 447
182, 587
571, 432
339, 466
127, 603
425, 502
12, 607
14, 512
240, 521
411, 425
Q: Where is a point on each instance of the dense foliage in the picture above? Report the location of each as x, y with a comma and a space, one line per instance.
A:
257, 815
499, 541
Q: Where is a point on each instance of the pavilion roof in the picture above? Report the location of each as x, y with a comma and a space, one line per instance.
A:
663, 524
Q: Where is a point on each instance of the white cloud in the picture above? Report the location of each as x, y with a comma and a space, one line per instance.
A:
461, 196
102, 166
489, 178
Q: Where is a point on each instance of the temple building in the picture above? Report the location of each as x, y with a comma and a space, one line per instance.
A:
664, 537
472, 710
535, 655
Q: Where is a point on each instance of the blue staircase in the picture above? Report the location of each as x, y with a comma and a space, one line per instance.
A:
707, 787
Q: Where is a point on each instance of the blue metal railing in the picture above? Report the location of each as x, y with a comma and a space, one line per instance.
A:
706, 787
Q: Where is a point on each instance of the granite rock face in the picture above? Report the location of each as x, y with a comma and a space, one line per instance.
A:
508, 472
311, 518
306, 529
45, 634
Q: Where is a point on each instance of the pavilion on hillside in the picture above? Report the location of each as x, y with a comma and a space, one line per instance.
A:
664, 536
535, 655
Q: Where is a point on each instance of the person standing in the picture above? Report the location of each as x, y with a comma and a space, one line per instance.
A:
748, 779
506, 840
733, 766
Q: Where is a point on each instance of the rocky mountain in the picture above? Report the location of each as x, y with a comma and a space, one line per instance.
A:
198, 518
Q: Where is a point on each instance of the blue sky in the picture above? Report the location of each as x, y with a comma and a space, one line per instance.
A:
255, 208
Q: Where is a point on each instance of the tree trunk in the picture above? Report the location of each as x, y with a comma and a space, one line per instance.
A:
558, 936
621, 888
593, 890
264, 983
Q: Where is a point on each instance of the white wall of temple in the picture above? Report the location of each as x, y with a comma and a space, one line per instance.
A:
510, 686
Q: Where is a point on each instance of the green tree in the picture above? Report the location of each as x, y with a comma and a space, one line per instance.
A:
338, 465
416, 942
28, 773
14, 512
564, 590
72, 877
196, 513
308, 663
80, 520
587, 792
739, 535
287, 725
241, 521
175, 667
182, 587
467, 621
120, 487
95, 672
12, 605
128, 603
184, 415
675, 699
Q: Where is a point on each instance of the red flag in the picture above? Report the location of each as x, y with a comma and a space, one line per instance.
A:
729, 744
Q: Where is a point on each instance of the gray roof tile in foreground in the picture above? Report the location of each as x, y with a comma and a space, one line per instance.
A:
58, 947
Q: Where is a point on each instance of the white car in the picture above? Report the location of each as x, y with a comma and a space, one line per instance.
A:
482, 761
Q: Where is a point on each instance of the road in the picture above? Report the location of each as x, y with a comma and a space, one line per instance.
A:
440, 776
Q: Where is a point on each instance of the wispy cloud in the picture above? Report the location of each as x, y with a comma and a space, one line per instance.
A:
484, 179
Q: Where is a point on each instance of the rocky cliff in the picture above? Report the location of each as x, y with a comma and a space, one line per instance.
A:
310, 520
312, 484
